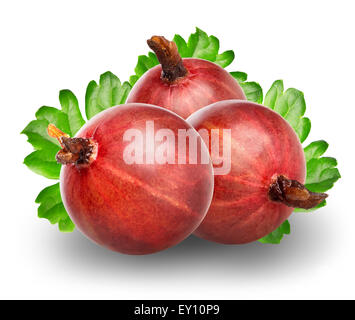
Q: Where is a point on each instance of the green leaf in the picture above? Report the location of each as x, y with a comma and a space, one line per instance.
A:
133, 79
274, 93
239, 76
321, 171
66, 225
291, 105
144, 64
199, 45
225, 59
69, 120
52, 208
315, 149
252, 91
37, 135
276, 236
41, 162
108, 93
303, 128
202, 46
55, 116
70, 107
321, 174
181, 44
36, 130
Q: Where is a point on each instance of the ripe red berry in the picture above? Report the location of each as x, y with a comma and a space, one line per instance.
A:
267, 170
183, 85
117, 188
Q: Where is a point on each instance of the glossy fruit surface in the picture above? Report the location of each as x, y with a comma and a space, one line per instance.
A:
204, 84
186, 86
133, 208
265, 150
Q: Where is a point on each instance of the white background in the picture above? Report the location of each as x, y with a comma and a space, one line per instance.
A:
51, 45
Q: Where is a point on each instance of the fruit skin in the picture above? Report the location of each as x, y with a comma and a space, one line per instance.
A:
264, 145
134, 209
204, 84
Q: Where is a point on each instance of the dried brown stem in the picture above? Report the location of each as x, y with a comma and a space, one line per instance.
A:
169, 58
78, 151
294, 194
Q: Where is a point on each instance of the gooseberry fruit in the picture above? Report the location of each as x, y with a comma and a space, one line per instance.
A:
183, 85
117, 188
266, 176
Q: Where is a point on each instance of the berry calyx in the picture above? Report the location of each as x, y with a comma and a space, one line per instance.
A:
169, 58
294, 194
78, 151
